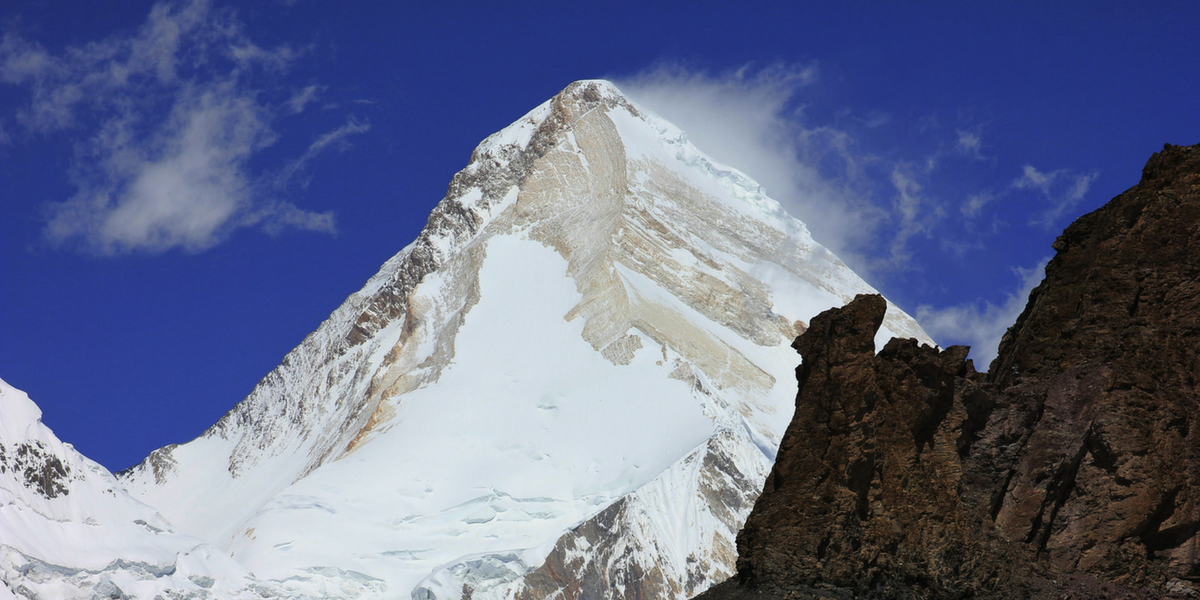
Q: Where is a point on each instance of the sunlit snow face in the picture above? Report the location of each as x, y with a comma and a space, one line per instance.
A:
577, 327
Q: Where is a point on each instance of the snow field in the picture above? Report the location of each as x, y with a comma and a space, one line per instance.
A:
526, 433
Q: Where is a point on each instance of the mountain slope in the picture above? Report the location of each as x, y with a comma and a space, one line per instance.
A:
582, 357
67, 530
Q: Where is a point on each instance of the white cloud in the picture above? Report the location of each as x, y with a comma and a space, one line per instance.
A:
187, 187
23, 61
301, 99
868, 209
1061, 190
156, 48
980, 325
875, 119
747, 119
975, 203
150, 180
98, 74
335, 139
915, 214
246, 55
970, 143
26, 63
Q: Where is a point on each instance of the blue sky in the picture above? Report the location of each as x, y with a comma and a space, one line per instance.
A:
189, 188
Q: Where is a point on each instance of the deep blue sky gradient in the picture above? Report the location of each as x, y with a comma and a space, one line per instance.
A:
130, 352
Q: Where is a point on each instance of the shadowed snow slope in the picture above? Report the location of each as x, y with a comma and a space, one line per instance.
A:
573, 382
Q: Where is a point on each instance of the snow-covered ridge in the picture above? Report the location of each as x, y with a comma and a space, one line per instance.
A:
68, 530
314, 404
583, 355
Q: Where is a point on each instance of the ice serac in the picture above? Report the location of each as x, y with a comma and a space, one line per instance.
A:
571, 384
68, 530
1069, 470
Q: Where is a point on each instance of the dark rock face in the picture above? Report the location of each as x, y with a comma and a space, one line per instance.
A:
1106, 350
865, 493
1071, 469
43, 472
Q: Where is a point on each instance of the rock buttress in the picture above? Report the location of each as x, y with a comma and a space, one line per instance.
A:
1070, 470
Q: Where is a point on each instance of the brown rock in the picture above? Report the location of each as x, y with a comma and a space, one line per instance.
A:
1070, 470
1106, 349
864, 493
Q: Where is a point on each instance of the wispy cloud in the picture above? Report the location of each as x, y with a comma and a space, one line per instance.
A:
875, 119
980, 325
748, 119
970, 143
938, 192
975, 202
303, 97
870, 208
1061, 190
887, 213
915, 215
247, 54
333, 140
170, 120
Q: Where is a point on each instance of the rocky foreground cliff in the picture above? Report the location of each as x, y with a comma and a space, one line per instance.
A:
1070, 470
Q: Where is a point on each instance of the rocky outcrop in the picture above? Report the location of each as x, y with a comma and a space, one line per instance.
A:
43, 472
1071, 469
865, 495
636, 548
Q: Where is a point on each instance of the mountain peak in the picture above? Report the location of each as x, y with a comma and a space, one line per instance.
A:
579, 369
20, 413
553, 115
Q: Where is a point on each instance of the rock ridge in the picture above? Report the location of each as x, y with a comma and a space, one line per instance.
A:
1071, 469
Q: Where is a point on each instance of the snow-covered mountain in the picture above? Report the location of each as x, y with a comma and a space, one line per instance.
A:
68, 530
572, 384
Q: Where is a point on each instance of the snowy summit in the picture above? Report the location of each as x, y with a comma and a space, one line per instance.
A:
572, 383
